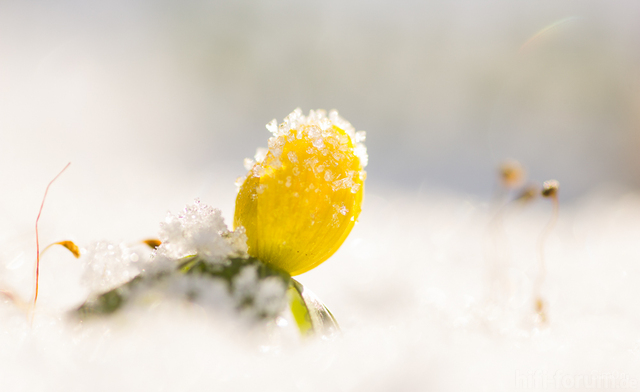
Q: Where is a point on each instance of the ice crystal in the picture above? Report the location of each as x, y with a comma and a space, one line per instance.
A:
318, 127
107, 265
200, 230
258, 170
272, 126
261, 153
248, 163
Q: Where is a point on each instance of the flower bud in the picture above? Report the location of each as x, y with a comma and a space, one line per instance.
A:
301, 199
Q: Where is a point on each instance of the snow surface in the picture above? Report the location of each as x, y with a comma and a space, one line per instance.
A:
156, 103
423, 301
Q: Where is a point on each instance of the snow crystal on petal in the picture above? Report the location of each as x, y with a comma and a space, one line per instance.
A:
361, 152
272, 126
318, 143
324, 124
248, 163
328, 175
319, 128
314, 132
261, 153
239, 181
258, 171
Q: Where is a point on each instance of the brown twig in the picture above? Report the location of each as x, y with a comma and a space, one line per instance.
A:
35, 298
550, 191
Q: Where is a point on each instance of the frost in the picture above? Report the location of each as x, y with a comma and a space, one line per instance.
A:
324, 124
200, 229
361, 152
283, 129
311, 163
272, 126
415, 295
328, 175
239, 181
275, 163
259, 297
318, 127
270, 298
210, 293
107, 265
258, 171
214, 271
318, 143
238, 241
275, 145
245, 283
248, 163
338, 156
343, 183
261, 153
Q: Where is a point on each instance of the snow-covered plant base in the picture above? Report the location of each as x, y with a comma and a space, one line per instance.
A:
200, 261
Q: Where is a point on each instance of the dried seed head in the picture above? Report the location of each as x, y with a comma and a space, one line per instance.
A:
539, 305
550, 188
152, 243
512, 174
529, 193
71, 246
540, 310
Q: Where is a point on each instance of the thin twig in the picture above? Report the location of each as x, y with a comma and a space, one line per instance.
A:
537, 289
35, 298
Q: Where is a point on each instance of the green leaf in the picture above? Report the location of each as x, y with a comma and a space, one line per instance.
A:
311, 315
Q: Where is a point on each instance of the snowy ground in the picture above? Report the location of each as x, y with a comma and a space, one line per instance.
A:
410, 288
157, 103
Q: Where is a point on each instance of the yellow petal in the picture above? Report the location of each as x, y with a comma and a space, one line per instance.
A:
299, 204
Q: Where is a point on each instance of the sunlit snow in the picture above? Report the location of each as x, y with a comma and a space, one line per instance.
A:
410, 288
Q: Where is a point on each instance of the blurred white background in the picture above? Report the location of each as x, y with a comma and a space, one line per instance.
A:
157, 102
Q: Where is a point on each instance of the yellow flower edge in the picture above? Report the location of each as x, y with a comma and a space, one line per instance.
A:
300, 201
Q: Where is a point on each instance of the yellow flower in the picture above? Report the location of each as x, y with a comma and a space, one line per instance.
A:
302, 197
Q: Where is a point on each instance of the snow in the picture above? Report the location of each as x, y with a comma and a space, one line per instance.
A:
156, 104
107, 265
200, 229
410, 288
318, 128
